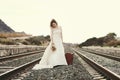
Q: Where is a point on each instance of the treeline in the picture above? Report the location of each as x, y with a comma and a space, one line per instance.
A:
35, 40
108, 40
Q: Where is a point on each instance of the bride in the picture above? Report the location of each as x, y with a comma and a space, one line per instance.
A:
54, 54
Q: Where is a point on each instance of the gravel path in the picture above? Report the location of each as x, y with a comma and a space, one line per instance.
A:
70, 72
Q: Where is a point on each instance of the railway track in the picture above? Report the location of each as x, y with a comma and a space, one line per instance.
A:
19, 55
96, 70
10, 74
104, 55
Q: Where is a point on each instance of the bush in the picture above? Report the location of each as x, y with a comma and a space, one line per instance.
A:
37, 40
114, 43
7, 41
25, 43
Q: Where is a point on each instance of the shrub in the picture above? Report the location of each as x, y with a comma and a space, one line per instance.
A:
7, 41
25, 43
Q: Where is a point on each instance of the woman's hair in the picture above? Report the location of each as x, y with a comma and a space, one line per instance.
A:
53, 21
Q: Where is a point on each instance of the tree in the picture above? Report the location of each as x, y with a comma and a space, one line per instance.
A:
109, 37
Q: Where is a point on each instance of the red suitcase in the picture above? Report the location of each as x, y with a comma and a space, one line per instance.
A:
69, 58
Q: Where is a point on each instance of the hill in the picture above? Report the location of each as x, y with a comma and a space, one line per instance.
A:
5, 28
108, 40
6, 31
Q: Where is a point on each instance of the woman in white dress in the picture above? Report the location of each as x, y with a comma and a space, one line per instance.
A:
54, 54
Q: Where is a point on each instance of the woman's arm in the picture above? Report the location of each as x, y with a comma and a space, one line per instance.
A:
61, 34
53, 45
51, 37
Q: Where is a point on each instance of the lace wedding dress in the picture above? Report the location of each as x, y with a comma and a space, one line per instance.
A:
52, 58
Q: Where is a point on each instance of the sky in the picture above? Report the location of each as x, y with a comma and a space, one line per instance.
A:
79, 19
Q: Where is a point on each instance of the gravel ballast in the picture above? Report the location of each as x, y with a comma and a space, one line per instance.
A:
21, 61
112, 65
70, 72
105, 50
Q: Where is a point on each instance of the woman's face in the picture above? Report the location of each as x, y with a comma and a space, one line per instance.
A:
54, 25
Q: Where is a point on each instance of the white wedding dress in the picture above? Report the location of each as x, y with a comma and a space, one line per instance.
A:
53, 58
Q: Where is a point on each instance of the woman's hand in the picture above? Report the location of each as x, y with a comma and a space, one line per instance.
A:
53, 47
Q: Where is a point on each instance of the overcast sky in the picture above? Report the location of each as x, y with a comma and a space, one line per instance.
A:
80, 19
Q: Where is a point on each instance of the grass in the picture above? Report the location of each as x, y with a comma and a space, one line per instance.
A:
16, 34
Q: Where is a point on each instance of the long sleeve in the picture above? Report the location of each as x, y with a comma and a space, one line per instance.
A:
61, 34
51, 36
